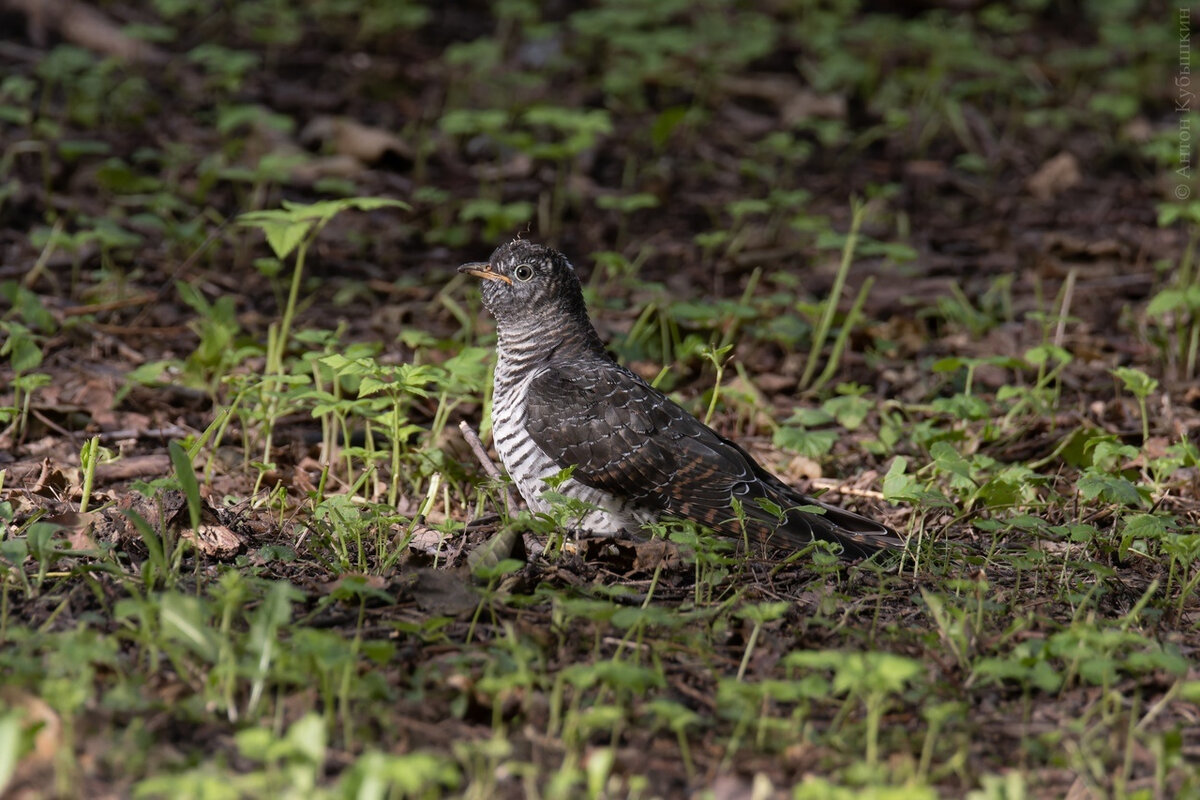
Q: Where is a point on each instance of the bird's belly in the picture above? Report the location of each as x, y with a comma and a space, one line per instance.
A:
529, 466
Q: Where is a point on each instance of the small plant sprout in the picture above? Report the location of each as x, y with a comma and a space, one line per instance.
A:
718, 357
90, 456
758, 614
1175, 310
1141, 386
858, 240
293, 228
181, 460
24, 354
858, 211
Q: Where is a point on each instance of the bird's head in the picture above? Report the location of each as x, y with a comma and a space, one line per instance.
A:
526, 281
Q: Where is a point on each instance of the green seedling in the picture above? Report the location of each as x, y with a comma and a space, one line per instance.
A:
560, 135
1053, 638
1175, 310
1141, 386
871, 678
625, 207
829, 308
89, 457
498, 218
293, 229
719, 358
758, 615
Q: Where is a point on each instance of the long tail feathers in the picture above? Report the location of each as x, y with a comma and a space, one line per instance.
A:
859, 536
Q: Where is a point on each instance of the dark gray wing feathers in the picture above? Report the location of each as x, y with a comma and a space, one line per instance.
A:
626, 438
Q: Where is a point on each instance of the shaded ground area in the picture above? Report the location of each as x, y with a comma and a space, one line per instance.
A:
247, 550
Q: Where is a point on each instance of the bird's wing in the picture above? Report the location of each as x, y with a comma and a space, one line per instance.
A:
627, 439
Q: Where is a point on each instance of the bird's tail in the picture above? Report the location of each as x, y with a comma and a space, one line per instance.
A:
859, 536
806, 518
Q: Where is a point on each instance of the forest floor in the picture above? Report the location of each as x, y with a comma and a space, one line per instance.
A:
935, 262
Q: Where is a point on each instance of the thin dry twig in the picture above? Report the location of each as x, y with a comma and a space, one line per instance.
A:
485, 461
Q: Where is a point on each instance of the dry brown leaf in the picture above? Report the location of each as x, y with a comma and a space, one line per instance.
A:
774, 383
214, 540
1080, 790
1138, 130
925, 168
646, 370
301, 482
427, 540
444, 591
1156, 447
348, 137
35, 767
802, 468
81, 538
654, 552
48, 481
1054, 177
807, 104
83, 25
78, 527
795, 101
735, 787
1065, 244
335, 166
517, 165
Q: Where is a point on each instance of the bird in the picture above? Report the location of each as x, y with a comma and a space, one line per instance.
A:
561, 402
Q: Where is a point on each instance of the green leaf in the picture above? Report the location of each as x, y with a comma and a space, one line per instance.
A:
484, 559
254, 743
23, 352
275, 611
759, 613
1108, 487
1137, 382
307, 735
149, 537
849, 411
370, 385
284, 237
1148, 526
1042, 354
187, 480
950, 462
286, 228
1165, 302
10, 746
949, 364
185, 619
811, 444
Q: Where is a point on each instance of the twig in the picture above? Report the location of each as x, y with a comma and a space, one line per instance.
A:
484, 460
169, 432
1065, 309
840, 487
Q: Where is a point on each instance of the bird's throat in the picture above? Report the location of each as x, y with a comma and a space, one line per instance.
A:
548, 337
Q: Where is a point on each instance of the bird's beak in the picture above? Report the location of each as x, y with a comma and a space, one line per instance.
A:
482, 269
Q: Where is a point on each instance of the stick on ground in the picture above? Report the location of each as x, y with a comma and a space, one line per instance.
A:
485, 461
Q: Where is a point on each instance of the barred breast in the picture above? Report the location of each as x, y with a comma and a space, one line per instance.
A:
528, 465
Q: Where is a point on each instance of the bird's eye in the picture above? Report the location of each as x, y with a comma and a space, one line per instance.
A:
523, 272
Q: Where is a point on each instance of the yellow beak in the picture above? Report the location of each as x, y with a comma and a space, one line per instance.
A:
484, 270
